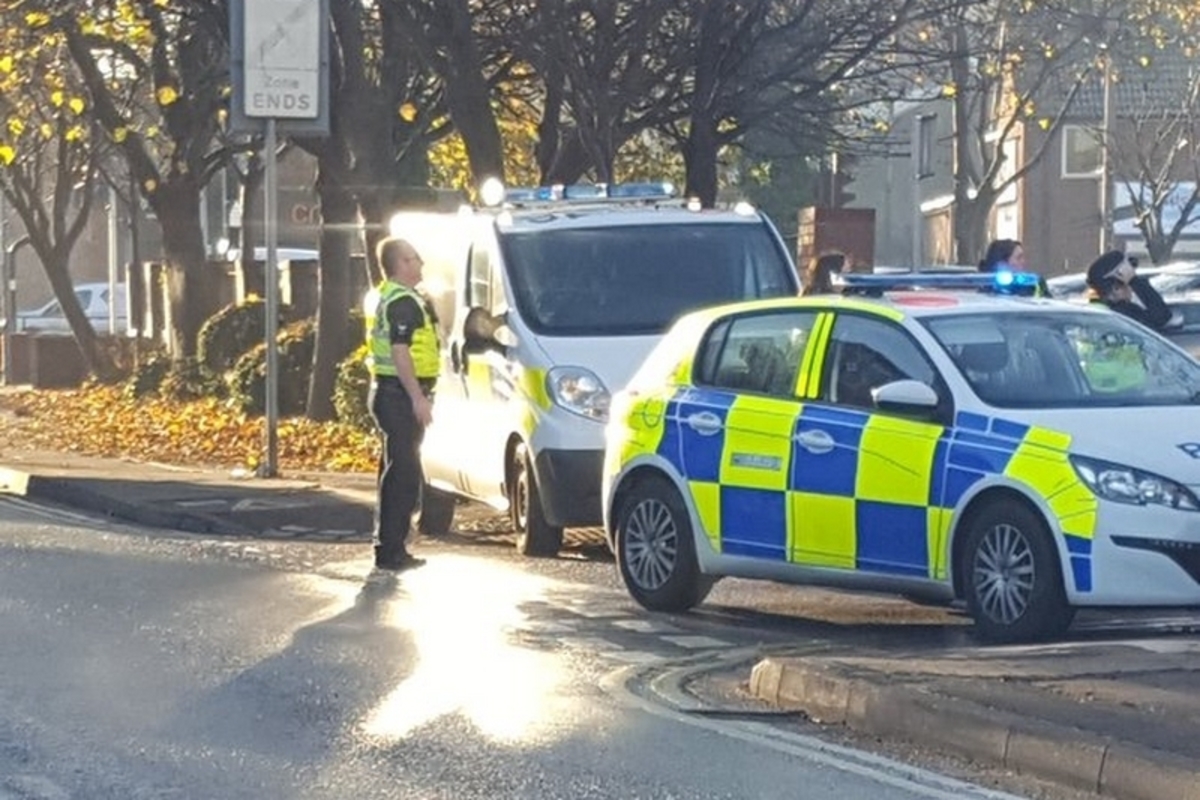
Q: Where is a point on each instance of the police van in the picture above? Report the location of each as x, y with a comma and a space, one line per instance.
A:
547, 301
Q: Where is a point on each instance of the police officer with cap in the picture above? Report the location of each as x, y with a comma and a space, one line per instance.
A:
1114, 281
404, 361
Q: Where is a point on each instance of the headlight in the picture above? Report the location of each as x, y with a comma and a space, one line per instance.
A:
579, 391
1123, 484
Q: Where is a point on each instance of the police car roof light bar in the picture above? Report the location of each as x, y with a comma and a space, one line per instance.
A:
589, 193
1001, 282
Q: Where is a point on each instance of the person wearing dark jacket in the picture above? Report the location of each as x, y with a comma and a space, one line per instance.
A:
1115, 282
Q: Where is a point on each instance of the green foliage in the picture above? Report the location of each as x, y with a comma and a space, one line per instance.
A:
248, 384
234, 331
190, 380
350, 391
147, 377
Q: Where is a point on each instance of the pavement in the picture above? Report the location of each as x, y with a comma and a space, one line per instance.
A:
1119, 718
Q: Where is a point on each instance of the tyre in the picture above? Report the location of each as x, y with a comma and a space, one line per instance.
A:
437, 512
655, 550
535, 536
1012, 577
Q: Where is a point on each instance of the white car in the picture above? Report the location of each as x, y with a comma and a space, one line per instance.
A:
1024, 455
93, 298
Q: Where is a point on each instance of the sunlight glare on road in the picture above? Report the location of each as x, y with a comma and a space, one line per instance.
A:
460, 615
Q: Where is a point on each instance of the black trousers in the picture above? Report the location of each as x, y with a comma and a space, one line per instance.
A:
400, 478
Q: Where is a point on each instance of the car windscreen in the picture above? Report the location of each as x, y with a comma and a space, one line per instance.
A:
1065, 359
638, 279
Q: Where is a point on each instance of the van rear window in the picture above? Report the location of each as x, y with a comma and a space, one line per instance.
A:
633, 280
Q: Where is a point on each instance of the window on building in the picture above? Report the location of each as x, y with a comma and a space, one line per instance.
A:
1081, 152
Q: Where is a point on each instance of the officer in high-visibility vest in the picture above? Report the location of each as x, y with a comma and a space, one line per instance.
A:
404, 361
1118, 365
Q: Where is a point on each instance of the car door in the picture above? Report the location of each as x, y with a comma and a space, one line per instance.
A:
864, 482
736, 424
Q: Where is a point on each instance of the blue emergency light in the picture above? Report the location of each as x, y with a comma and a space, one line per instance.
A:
1001, 282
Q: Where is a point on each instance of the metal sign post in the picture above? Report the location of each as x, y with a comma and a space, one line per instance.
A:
280, 75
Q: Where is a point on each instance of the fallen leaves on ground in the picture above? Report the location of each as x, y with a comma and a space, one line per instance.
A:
102, 421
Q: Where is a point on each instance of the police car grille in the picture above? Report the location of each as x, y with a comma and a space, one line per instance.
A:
1185, 554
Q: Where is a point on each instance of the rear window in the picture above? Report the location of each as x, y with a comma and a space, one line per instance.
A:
639, 279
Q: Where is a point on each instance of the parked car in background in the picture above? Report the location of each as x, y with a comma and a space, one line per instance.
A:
93, 298
1177, 279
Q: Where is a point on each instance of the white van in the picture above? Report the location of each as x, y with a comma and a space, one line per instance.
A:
547, 304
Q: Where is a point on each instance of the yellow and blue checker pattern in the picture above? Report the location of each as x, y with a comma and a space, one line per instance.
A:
879, 494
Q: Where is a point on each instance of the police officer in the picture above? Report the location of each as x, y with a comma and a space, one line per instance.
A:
1114, 281
404, 361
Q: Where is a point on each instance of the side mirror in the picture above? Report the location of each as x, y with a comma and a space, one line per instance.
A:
482, 331
906, 396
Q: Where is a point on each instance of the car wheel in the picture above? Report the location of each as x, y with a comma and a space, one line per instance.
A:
1012, 578
655, 550
535, 536
437, 512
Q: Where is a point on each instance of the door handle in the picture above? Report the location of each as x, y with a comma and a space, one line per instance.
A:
705, 423
815, 442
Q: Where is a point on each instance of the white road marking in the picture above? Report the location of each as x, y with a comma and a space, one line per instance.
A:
644, 626
880, 769
697, 642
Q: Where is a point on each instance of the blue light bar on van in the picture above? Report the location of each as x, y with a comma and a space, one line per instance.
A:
1002, 282
521, 195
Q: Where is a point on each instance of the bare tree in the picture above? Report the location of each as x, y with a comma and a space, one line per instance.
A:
1154, 153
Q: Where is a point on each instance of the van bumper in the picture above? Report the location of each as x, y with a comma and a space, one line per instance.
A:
569, 481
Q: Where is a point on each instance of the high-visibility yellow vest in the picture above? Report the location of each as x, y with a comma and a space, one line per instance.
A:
425, 348
1114, 368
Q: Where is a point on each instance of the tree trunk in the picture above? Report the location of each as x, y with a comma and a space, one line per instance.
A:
1159, 249
970, 228
570, 162
469, 97
339, 213
248, 236
177, 205
700, 155
96, 361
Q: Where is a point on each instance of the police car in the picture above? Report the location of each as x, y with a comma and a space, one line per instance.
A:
934, 436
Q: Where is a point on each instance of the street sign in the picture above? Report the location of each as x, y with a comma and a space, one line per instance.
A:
282, 58
279, 66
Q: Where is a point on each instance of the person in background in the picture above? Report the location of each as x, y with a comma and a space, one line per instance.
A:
404, 360
818, 278
1009, 254
1004, 254
1114, 281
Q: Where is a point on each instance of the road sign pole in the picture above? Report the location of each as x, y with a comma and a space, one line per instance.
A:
270, 467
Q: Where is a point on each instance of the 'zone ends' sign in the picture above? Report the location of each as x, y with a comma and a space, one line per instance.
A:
283, 58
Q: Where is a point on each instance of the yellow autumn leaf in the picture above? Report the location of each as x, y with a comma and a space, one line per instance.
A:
57, 98
45, 130
16, 126
166, 95
6, 64
152, 131
120, 134
949, 90
37, 19
76, 104
1044, 123
408, 111
150, 185
75, 134
7, 155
